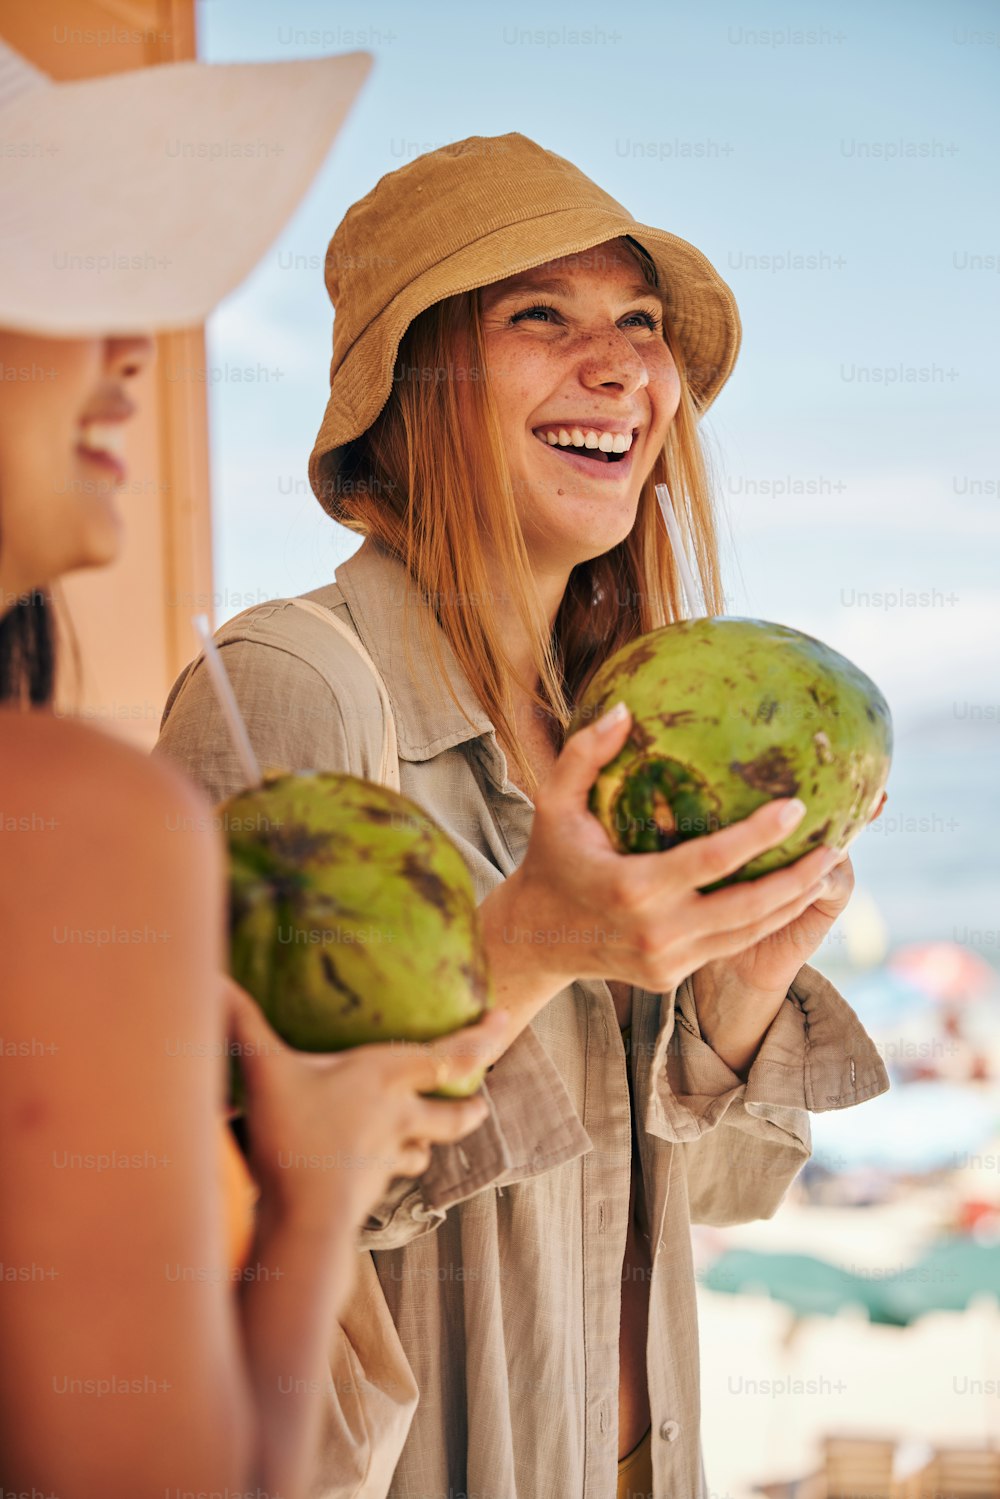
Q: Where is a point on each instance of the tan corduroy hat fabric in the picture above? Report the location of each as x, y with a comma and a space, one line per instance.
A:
466, 215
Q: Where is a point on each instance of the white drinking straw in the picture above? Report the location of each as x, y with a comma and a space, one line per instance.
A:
227, 702
695, 609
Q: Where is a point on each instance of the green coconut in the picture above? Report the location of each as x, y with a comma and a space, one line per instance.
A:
352, 916
728, 714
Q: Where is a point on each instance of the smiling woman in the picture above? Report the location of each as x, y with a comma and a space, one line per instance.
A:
596, 357
509, 382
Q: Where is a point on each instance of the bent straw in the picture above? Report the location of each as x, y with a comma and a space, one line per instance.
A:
695, 609
227, 702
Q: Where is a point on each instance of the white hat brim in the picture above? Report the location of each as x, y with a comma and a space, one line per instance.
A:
138, 201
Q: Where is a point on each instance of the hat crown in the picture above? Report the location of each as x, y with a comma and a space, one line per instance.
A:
417, 216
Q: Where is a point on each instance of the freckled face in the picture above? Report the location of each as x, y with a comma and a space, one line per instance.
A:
62, 418
575, 350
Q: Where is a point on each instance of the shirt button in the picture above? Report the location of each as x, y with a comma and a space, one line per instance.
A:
669, 1431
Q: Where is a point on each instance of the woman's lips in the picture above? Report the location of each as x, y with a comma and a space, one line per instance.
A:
105, 462
592, 468
101, 438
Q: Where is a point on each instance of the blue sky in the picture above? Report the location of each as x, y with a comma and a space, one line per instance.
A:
865, 139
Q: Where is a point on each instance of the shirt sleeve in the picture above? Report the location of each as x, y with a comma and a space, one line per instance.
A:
310, 703
532, 1127
744, 1142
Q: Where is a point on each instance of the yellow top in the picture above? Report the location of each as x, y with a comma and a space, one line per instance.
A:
239, 1191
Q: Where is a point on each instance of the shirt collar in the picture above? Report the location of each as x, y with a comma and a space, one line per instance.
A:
375, 584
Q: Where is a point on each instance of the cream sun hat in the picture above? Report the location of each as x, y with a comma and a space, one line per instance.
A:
139, 200
466, 215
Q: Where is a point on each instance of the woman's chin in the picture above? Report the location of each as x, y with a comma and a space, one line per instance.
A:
101, 540
594, 535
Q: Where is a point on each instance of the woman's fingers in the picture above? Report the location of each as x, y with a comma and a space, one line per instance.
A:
412, 1161
566, 788
726, 944
702, 861
730, 921
411, 1068
444, 1120
426, 1066
741, 906
245, 1025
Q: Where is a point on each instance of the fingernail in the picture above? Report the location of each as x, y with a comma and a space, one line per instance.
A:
791, 813
613, 716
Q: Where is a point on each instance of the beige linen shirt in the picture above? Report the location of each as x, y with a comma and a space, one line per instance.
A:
502, 1265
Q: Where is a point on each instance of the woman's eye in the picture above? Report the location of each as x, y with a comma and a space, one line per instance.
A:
543, 312
648, 319
528, 312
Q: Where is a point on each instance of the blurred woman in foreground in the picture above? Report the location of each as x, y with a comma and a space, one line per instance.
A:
131, 1368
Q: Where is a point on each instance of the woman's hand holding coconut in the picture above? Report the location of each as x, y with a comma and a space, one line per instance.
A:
743, 993
301, 1105
575, 908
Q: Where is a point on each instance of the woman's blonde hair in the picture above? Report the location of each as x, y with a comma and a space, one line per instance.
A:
429, 481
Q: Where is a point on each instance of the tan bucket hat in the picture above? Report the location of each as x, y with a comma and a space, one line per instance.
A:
137, 201
463, 216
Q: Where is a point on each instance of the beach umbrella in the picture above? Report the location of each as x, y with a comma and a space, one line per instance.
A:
811, 1287
947, 1278
945, 970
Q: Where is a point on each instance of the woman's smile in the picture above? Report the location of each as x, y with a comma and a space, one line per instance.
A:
602, 451
101, 443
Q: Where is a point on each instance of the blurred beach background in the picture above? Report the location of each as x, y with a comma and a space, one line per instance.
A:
836, 164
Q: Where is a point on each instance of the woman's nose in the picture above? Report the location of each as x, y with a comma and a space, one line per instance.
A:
126, 357
612, 359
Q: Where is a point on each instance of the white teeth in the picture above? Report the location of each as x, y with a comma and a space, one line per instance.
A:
586, 437
103, 437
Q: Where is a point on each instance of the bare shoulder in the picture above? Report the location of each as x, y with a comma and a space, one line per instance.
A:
49, 763
96, 836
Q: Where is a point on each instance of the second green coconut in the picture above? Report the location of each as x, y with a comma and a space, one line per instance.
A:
352, 915
730, 713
